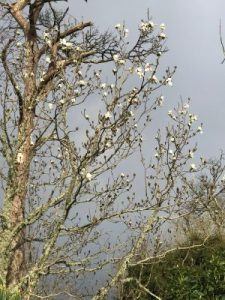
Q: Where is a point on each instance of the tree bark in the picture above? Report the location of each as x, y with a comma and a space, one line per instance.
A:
17, 262
20, 179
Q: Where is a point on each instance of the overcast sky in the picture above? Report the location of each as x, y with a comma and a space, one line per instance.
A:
194, 47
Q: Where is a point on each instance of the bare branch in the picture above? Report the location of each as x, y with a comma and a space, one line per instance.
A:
75, 28
16, 12
221, 41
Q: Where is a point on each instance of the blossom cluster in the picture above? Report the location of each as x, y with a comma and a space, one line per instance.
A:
85, 174
65, 45
177, 136
118, 60
122, 30
147, 26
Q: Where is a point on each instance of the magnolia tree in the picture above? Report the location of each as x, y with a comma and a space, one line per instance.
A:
197, 244
206, 197
65, 131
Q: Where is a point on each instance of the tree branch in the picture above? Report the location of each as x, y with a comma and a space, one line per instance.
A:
75, 28
15, 11
10, 76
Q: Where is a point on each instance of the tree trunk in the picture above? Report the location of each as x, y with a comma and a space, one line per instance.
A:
17, 263
20, 180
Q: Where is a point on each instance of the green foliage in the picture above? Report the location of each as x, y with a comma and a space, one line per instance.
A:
8, 295
196, 273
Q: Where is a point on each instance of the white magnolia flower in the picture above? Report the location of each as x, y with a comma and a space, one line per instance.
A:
108, 144
131, 70
184, 109
83, 172
63, 42
103, 86
118, 60
146, 27
69, 45
97, 75
20, 158
160, 101
46, 35
169, 81
77, 92
134, 101
191, 154
121, 61
126, 31
170, 152
118, 26
50, 105
62, 101
186, 106
107, 115
154, 79
49, 43
148, 67
88, 176
82, 83
140, 72
114, 71
116, 57
32, 139
192, 167
48, 59
122, 175
162, 26
199, 129
193, 117
151, 24
170, 113
203, 160
162, 35
131, 113
73, 100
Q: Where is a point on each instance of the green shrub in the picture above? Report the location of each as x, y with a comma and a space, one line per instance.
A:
196, 273
7, 295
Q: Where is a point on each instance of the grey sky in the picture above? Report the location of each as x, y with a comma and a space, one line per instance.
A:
193, 41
